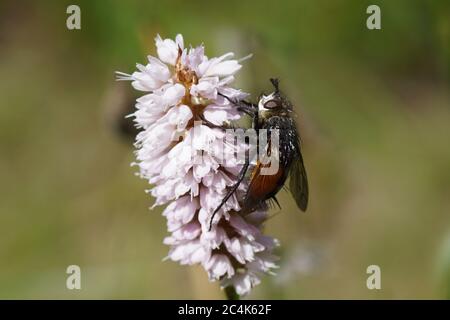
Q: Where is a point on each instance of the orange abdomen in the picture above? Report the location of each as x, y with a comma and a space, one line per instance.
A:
263, 187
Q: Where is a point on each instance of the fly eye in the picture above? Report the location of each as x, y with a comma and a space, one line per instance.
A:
271, 104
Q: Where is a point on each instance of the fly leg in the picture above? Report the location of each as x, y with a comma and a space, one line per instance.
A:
213, 125
276, 201
242, 105
251, 110
232, 190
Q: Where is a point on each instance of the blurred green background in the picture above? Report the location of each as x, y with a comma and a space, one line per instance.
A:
374, 115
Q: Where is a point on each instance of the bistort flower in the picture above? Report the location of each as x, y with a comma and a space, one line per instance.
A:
182, 152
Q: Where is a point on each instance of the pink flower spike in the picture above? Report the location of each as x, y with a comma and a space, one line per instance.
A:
182, 151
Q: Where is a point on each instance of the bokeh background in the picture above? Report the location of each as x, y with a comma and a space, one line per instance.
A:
374, 112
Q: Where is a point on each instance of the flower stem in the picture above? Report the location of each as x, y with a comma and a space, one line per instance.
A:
231, 294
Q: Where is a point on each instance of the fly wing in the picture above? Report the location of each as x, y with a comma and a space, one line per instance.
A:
299, 183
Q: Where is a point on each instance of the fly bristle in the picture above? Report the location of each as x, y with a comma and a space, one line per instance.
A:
275, 83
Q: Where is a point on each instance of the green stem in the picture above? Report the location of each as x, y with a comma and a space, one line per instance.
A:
231, 294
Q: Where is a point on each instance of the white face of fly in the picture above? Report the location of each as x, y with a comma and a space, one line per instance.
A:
267, 103
264, 99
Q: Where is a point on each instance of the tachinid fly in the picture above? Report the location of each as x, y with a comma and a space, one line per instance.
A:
273, 112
